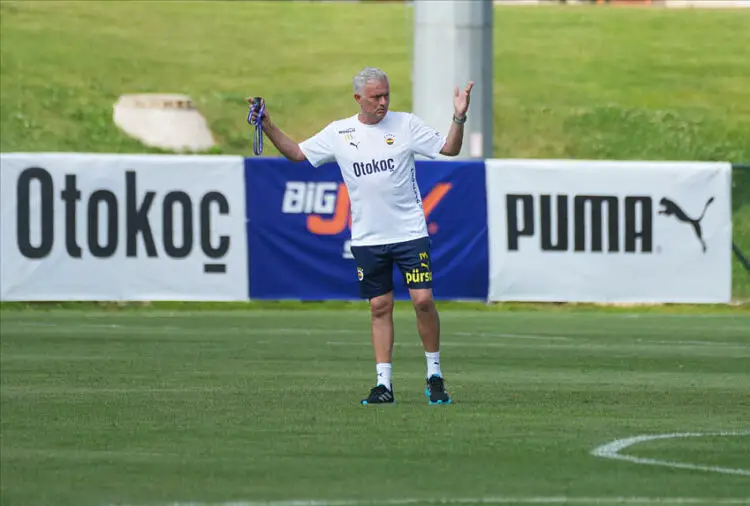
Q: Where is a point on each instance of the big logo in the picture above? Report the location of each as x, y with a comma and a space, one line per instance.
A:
35, 190
628, 227
326, 205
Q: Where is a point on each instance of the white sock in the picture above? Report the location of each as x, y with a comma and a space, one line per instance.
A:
433, 363
384, 374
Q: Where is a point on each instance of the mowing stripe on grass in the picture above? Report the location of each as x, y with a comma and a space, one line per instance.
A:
612, 451
306, 331
24, 390
475, 500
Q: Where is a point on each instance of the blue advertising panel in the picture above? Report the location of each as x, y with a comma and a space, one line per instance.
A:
299, 230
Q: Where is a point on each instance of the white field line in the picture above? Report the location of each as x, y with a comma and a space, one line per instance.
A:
52, 327
444, 344
476, 500
89, 327
693, 343
510, 336
612, 451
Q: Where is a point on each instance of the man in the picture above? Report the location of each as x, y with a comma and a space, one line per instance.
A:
375, 151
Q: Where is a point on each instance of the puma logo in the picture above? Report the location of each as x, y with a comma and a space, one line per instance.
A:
356, 145
424, 265
670, 208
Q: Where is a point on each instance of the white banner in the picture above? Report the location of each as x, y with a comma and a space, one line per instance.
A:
609, 231
122, 227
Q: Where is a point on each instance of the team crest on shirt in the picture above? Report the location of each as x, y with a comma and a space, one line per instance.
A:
360, 274
390, 139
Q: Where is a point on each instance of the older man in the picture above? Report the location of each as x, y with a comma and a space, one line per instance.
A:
375, 151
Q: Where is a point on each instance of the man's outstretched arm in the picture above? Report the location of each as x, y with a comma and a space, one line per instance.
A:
284, 144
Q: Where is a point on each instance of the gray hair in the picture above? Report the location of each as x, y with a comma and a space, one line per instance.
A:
366, 75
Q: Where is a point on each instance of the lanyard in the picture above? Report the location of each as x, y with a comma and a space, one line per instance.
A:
259, 107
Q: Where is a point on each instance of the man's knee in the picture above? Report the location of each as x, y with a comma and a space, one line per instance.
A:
382, 305
423, 300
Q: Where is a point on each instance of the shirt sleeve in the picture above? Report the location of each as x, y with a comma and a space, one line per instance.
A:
318, 149
425, 140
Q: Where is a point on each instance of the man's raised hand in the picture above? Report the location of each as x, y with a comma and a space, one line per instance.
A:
461, 100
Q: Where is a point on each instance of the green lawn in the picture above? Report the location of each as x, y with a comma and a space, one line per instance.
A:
172, 406
569, 82
148, 407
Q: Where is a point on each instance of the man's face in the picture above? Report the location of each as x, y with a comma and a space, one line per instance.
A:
375, 99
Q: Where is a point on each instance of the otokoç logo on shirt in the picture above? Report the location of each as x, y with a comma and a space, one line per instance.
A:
373, 166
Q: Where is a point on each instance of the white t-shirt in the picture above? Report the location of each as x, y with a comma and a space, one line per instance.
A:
377, 164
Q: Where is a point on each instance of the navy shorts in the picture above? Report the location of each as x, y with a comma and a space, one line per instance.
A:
375, 266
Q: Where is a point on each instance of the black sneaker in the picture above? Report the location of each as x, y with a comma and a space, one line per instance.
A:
379, 395
435, 391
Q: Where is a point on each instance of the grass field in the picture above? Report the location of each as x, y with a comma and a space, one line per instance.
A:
173, 406
149, 407
569, 82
